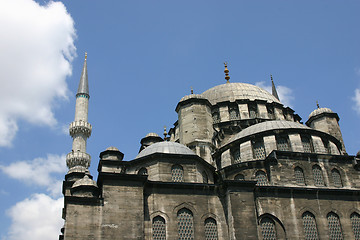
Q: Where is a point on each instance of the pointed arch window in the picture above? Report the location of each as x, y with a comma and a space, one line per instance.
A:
268, 230
335, 232
177, 173
310, 229
252, 110
270, 110
159, 228
336, 178
185, 224
282, 143
318, 176
239, 177
355, 223
216, 116
211, 229
261, 178
236, 155
299, 176
259, 150
234, 113
143, 171
306, 142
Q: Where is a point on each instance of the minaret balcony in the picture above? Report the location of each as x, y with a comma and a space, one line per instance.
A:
74, 159
77, 127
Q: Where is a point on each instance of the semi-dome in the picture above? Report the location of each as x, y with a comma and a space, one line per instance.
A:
266, 126
319, 111
166, 147
237, 91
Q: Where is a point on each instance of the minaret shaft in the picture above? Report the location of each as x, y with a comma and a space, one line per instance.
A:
80, 130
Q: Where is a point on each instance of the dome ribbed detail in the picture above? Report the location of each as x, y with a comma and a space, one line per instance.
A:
166, 147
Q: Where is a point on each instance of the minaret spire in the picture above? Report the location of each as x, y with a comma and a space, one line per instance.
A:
80, 130
274, 92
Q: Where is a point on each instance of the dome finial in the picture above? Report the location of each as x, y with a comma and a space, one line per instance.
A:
226, 71
192, 91
317, 104
85, 55
165, 134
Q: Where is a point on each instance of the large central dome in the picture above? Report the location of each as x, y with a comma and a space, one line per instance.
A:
237, 91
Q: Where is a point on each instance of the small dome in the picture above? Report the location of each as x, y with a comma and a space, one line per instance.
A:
166, 147
112, 149
85, 181
266, 126
152, 135
318, 111
237, 91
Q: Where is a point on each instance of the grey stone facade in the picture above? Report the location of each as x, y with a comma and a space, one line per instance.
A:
237, 165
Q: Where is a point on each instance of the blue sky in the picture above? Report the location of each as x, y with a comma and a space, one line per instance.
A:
143, 57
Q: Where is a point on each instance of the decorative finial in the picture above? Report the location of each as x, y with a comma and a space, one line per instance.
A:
85, 55
165, 133
317, 104
273, 88
192, 91
226, 71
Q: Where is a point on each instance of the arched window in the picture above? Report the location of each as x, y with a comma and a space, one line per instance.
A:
143, 171
185, 224
336, 178
261, 179
216, 116
159, 228
177, 173
306, 142
236, 155
299, 176
355, 223
234, 113
270, 110
239, 177
268, 230
282, 143
252, 110
259, 150
318, 176
310, 228
205, 177
335, 232
211, 229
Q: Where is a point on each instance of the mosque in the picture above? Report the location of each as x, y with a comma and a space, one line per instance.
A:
237, 164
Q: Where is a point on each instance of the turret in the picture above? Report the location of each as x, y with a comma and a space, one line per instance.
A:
80, 130
325, 120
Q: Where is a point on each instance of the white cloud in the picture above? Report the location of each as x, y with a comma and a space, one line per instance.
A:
39, 172
36, 218
356, 99
37, 47
285, 93
357, 70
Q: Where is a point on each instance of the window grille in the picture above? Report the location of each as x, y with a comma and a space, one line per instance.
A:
336, 178
205, 177
210, 229
216, 117
177, 173
252, 111
143, 171
236, 155
335, 232
310, 228
239, 177
268, 229
159, 228
234, 113
261, 178
185, 224
318, 176
299, 176
259, 150
327, 146
306, 144
355, 222
270, 111
282, 144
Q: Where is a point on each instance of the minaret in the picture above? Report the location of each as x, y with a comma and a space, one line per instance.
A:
80, 130
273, 88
